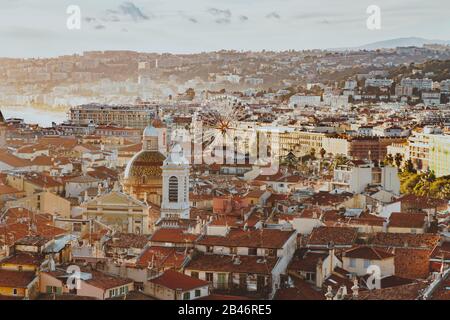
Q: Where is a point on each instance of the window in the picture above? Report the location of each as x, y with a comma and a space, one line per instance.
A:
233, 250
194, 274
252, 251
366, 263
222, 281
173, 189
310, 276
186, 296
198, 293
15, 291
352, 263
209, 276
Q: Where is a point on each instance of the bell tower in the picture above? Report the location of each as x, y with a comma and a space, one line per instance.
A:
175, 199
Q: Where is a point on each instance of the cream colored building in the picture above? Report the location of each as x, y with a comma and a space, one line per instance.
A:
120, 212
361, 260
440, 155
44, 202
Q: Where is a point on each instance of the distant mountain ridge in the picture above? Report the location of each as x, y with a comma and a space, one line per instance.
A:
397, 42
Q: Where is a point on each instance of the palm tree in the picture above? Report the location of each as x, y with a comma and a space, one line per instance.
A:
312, 153
389, 159
340, 160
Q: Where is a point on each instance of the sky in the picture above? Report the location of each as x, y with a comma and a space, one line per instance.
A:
38, 28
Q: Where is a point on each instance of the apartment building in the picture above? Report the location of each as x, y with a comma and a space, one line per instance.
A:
124, 116
420, 84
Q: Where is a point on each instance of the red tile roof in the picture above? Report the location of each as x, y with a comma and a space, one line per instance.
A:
368, 253
248, 264
405, 240
404, 292
173, 235
407, 220
338, 236
262, 238
162, 258
175, 280
105, 281
16, 279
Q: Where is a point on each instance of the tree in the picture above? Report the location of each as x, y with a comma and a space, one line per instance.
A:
398, 160
389, 160
340, 160
322, 153
409, 167
291, 160
190, 93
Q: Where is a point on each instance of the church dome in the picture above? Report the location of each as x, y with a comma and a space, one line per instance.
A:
145, 165
157, 123
150, 131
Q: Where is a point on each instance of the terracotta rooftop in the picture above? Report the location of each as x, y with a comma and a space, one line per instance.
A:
306, 261
13, 161
104, 281
421, 202
367, 253
173, 235
162, 258
5, 189
323, 236
407, 220
24, 258
405, 240
404, 292
16, 279
262, 238
127, 240
247, 264
175, 280
300, 291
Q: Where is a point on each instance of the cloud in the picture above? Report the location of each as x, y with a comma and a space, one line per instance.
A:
130, 9
188, 17
90, 19
243, 18
100, 27
273, 15
222, 21
220, 12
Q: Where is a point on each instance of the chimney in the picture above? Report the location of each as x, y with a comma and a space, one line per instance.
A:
355, 289
329, 294
319, 274
331, 251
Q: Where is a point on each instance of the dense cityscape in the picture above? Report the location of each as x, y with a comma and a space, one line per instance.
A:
288, 175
